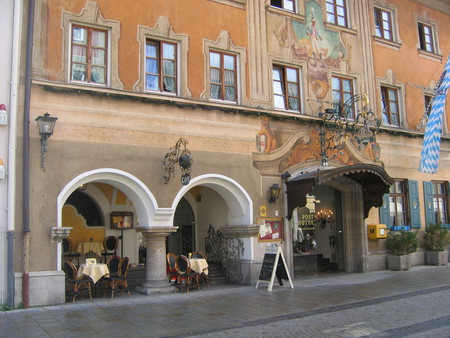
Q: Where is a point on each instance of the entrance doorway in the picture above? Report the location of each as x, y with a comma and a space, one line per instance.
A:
182, 242
318, 236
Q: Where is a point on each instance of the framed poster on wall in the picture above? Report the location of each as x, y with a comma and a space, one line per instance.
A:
121, 220
270, 229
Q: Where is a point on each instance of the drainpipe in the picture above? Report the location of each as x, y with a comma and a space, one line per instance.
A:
12, 147
26, 161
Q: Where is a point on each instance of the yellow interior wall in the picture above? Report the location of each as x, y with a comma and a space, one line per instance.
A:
80, 232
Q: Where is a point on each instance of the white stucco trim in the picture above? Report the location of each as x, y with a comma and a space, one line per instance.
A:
147, 212
239, 203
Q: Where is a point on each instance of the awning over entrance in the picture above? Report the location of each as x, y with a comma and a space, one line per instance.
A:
374, 180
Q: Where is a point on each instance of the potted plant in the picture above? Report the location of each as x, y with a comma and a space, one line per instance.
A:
435, 240
401, 244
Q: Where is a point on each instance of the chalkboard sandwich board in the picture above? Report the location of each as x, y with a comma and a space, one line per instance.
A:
273, 266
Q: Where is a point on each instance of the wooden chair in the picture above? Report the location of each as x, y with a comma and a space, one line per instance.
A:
112, 282
68, 253
77, 283
172, 267
185, 273
110, 244
198, 254
113, 265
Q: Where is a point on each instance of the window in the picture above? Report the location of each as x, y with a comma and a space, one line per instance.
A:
285, 4
397, 204
427, 99
426, 41
390, 105
286, 88
342, 90
383, 24
223, 81
161, 66
440, 202
401, 205
336, 12
89, 55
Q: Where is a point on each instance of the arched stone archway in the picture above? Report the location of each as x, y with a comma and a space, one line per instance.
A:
144, 202
238, 200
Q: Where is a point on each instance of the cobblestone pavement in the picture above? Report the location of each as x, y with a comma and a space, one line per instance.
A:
413, 303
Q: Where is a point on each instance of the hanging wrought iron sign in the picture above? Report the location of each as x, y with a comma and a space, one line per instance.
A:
182, 155
340, 123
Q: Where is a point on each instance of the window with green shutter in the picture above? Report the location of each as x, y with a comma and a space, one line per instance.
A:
401, 206
436, 202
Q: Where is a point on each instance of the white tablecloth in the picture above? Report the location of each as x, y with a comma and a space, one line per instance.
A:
96, 271
199, 265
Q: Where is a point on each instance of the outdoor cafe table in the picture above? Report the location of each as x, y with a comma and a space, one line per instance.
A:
199, 265
95, 271
95, 247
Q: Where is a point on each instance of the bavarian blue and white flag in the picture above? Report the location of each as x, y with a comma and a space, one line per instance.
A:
429, 159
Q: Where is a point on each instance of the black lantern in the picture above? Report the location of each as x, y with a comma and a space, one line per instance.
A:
274, 193
46, 124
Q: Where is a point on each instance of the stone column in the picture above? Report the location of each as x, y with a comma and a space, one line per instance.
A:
156, 280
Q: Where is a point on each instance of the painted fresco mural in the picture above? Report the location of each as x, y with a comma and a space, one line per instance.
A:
321, 48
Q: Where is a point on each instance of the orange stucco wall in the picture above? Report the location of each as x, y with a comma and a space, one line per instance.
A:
406, 61
197, 18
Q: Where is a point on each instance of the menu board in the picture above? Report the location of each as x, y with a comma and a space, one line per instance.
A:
273, 265
267, 267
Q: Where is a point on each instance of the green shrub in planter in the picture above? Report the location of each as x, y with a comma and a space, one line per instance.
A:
402, 242
436, 238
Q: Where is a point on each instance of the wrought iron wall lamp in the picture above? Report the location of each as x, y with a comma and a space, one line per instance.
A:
181, 155
274, 193
340, 123
46, 124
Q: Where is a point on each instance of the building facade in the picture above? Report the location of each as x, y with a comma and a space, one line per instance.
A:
175, 119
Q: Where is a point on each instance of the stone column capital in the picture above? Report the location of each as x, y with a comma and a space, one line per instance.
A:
157, 232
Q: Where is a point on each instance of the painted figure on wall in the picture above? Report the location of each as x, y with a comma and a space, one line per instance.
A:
319, 47
265, 140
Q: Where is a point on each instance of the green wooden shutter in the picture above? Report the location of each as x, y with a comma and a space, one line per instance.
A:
428, 197
414, 207
448, 202
384, 212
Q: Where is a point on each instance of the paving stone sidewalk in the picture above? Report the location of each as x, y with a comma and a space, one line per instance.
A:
221, 307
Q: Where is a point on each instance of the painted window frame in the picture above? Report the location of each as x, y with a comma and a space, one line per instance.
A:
160, 59
223, 70
386, 101
283, 91
344, 95
395, 41
425, 20
380, 24
224, 44
428, 194
411, 204
336, 11
397, 199
90, 49
425, 30
91, 16
164, 32
287, 5
440, 202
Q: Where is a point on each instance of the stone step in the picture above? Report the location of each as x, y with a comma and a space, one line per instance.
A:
136, 275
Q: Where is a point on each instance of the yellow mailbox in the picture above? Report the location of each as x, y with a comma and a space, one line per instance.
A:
377, 231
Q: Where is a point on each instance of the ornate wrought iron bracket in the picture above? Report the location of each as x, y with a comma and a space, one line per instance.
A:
181, 155
340, 123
